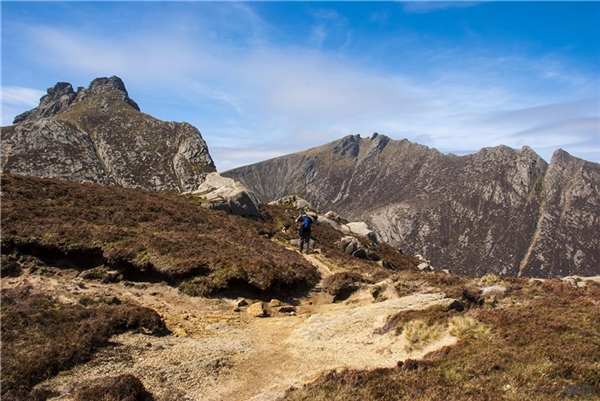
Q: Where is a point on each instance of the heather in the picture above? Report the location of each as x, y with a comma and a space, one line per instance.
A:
540, 341
144, 235
42, 336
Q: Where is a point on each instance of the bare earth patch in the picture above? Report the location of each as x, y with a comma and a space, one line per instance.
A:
216, 353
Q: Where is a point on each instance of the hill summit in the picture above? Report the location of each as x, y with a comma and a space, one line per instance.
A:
500, 210
98, 134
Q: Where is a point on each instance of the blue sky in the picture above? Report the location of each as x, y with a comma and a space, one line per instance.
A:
263, 79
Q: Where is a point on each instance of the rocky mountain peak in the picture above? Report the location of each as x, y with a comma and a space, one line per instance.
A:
500, 210
61, 96
353, 146
98, 134
560, 156
57, 98
109, 88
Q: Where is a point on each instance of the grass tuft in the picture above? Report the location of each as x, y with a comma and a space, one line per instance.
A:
419, 334
462, 326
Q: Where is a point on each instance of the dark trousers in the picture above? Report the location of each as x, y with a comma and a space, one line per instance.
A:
305, 239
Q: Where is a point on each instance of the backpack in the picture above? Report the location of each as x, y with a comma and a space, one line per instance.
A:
305, 226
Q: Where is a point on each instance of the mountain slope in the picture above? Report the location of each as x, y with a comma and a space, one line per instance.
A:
99, 135
497, 211
140, 234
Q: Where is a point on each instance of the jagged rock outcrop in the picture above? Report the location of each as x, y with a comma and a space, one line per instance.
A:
98, 134
58, 98
222, 193
501, 210
567, 236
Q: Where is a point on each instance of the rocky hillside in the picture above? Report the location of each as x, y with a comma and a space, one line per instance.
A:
98, 134
501, 210
162, 299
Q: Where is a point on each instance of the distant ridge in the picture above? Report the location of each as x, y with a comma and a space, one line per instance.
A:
500, 210
98, 134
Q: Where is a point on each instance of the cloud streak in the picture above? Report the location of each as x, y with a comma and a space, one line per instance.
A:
253, 96
16, 99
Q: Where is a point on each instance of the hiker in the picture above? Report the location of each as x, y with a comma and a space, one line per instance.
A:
304, 230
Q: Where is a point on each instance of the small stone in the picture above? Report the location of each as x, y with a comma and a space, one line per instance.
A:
424, 266
180, 332
275, 303
360, 253
287, 309
373, 256
241, 302
257, 310
456, 305
493, 290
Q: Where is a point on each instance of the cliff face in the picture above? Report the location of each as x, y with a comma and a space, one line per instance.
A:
567, 236
498, 211
98, 134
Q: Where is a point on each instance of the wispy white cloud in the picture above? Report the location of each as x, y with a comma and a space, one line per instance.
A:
20, 96
254, 99
234, 157
16, 100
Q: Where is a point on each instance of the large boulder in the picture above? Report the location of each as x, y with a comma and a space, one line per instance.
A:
293, 201
352, 246
349, 244
330, 222
360, 228
222, 193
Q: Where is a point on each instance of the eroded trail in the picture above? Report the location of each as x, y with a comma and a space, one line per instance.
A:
216, 353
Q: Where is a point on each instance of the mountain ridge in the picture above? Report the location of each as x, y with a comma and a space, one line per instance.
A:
100, 135
500, 210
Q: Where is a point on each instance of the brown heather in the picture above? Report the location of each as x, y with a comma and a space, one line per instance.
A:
145, 235
123, 388
41, 336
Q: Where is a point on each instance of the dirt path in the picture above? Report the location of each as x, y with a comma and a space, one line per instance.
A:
216, 353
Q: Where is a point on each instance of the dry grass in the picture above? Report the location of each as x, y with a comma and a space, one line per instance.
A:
144, 235
462, 326
41, 336
419, 334
539, 340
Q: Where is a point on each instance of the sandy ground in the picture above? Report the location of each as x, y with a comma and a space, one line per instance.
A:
216, 353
